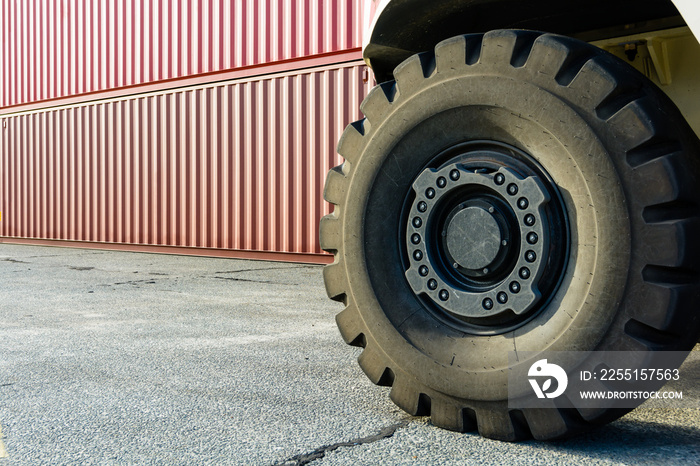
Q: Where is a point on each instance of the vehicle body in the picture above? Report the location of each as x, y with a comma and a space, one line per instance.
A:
517, 191
663, 32
424, 24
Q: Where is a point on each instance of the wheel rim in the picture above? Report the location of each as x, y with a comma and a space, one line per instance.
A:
486, 237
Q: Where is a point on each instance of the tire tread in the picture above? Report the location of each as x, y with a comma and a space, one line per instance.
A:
622, 102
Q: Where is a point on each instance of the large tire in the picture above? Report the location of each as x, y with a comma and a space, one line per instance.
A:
611, 170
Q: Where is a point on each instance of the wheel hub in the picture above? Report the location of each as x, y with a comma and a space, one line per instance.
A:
478, 240
473, 238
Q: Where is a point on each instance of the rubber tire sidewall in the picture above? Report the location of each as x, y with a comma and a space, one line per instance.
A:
566, 143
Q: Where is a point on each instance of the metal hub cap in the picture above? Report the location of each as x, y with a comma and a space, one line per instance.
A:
477, 240
473, 238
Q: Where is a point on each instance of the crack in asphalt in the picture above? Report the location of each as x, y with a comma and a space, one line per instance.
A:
16, 261
254, 281
317, 454
147, 281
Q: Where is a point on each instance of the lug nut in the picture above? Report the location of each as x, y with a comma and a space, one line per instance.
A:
499, 179
532, 237
524, 273
422, 206
514, 287
502, 297
441, 182
444, 295
423, 270
529, 220
487, 303
530, 256
415, 238
418, 255
432, 284
430, 193
512, 189
454, 175
417, 222
523, 203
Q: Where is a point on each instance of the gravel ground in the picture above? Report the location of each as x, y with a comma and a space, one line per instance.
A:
125, 358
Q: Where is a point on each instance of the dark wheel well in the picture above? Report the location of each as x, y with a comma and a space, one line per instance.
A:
406, 27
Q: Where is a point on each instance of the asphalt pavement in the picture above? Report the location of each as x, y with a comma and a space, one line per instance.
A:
128, 358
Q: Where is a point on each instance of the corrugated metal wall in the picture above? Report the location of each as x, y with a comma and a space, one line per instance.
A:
196, 165
58, 48
236, 166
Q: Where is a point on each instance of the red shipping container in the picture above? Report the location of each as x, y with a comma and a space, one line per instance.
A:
60, 48
154, 151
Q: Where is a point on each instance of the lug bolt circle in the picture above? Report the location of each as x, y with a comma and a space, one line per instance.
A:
532, 237
460, 267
